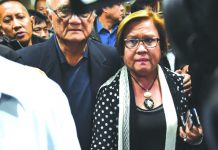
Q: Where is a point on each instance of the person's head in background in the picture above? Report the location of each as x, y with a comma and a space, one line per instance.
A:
115, 13
15, 21
40, 27
40, 6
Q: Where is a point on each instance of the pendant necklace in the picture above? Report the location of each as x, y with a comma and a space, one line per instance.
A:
148, 102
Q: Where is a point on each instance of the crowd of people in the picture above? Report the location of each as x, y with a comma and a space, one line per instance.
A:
97, 80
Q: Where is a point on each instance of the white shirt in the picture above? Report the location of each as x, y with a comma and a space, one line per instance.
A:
171, 58
34, 112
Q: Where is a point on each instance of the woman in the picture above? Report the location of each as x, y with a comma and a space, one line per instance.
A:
140, 106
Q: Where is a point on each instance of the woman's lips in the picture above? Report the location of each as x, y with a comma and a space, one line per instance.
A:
142, 60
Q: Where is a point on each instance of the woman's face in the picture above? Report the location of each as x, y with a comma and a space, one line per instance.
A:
142, 60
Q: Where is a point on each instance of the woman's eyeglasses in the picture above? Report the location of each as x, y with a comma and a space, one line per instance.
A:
147, 42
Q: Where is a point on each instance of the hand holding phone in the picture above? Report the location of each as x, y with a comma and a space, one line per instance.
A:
189, 120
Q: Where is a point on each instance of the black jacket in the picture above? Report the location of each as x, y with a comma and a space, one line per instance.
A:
15, 45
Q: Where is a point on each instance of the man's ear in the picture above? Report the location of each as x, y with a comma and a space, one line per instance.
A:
1, 30
32, 20
105, 9
1, 33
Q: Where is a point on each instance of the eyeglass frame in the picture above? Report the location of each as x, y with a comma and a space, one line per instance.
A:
157, 40
68, 16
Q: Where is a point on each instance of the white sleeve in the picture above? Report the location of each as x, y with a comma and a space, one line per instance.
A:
61, 124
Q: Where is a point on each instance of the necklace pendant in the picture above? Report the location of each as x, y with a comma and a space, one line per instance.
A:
149, 103
147, 94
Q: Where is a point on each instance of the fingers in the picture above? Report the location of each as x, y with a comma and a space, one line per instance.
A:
185, 69
190, 135
179, 71
187, 84
183, 134
187, 78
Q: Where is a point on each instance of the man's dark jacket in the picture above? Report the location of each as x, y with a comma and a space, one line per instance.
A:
94, 35
9, 53
103, 60
15, 44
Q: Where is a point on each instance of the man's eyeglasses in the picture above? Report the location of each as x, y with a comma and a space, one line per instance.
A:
147, 42
66, 14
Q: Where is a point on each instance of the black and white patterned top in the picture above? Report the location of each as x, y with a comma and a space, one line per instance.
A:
106, 112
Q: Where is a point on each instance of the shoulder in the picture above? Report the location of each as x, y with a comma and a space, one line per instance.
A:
29, 83
111, 85
94, 34
36, 39
38, 53
103, 47
9, 53
104, 51
108, 96
178, 78
36, 47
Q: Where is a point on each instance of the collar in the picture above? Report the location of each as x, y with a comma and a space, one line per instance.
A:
100, 27
61, 55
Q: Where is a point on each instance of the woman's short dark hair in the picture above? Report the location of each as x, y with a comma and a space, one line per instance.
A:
138, 15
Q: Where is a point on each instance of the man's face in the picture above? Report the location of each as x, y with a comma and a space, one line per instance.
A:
116, 12
15, 21
41, 30
41, 7
71, 28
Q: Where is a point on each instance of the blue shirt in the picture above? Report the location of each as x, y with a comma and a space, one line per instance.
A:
77, 87
106, 36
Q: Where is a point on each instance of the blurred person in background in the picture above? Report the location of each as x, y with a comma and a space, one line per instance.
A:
40, 6
106, 23
40, 26
17, 25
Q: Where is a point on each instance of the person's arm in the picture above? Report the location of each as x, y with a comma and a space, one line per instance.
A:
105, 130
187, 84
61, 129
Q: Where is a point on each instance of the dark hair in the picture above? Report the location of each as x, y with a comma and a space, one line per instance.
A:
36, 1
38, 17
140, 5
139, 15
99, 11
